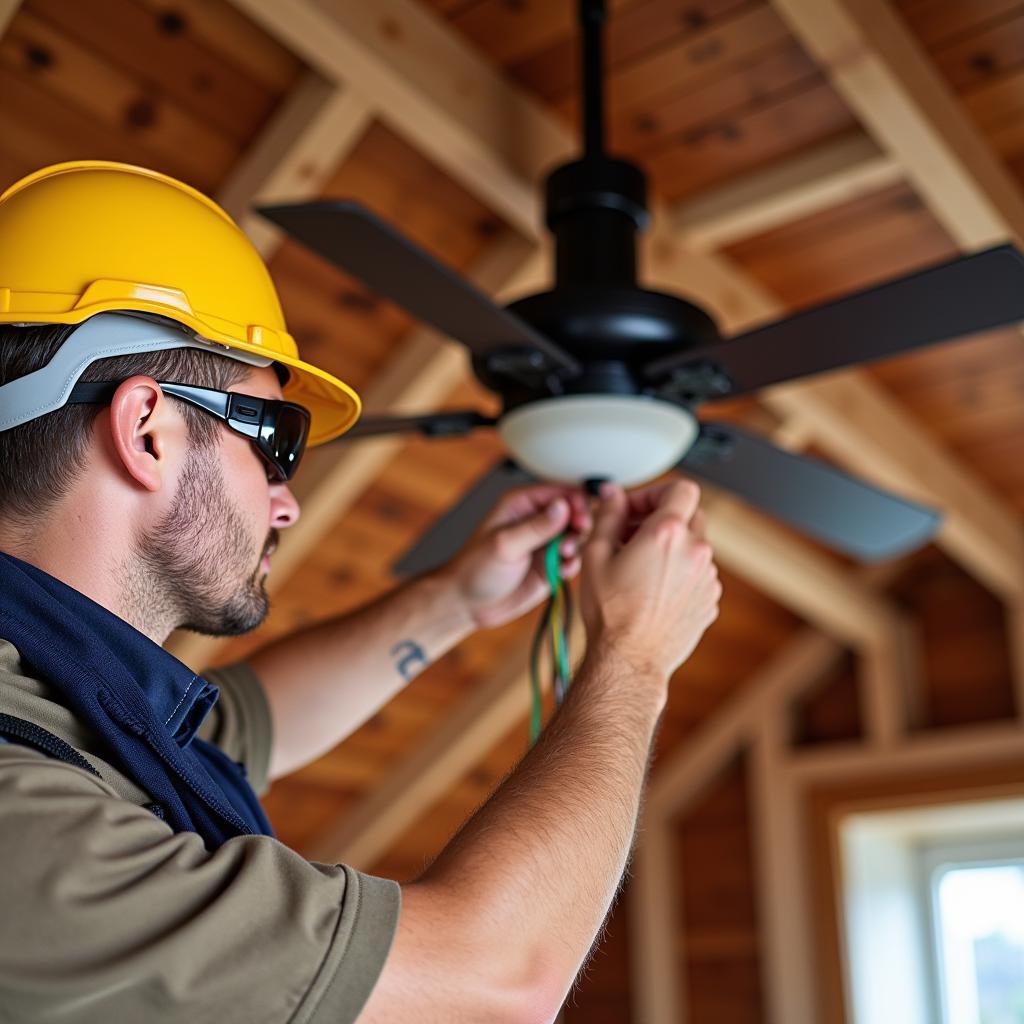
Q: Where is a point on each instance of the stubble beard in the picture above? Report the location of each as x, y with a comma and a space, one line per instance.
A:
196, 561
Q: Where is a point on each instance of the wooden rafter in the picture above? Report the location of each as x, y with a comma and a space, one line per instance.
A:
833, 173
8, 9
316, 127
865, 430
432, 88
899, 96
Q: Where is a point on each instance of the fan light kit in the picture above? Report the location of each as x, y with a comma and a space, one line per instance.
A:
625, 438
601, 378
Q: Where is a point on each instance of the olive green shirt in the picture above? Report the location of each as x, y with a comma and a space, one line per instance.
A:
106, 915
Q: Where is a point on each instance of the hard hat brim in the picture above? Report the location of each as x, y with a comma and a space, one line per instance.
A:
333, 406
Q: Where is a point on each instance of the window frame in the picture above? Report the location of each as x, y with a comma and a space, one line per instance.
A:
936, 857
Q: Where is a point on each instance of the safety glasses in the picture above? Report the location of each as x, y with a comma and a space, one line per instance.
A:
277, 429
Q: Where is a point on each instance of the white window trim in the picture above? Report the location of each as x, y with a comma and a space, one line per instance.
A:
897, 842
935, 859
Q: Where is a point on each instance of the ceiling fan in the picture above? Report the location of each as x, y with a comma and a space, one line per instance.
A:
600, 378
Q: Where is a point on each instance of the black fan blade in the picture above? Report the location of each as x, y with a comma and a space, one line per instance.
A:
434, 424
447, 536
964, 296
846, 513
350, 236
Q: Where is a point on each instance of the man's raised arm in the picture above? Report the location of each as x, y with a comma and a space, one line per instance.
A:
498, 927
324, 681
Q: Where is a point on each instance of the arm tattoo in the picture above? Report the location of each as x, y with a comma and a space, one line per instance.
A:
411, 658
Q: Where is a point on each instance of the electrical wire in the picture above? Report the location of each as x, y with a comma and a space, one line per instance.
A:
553, 627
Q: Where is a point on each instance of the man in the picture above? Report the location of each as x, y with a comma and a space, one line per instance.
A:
147, 436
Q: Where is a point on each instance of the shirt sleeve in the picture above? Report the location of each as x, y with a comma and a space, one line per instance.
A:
109, 915
240, 722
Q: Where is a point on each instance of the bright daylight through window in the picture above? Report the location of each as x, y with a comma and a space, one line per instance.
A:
979, 918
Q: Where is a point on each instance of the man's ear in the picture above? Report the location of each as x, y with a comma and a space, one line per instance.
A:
144, 427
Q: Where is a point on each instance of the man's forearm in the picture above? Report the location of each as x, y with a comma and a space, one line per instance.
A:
323, 682
536, 869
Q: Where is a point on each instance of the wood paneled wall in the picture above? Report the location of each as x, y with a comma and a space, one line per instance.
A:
702, 92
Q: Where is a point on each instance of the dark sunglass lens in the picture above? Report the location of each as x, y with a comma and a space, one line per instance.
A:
287, 438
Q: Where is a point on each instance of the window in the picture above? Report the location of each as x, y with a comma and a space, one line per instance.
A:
932, 912
975, 896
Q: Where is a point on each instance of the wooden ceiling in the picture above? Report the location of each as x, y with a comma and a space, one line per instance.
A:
704, 94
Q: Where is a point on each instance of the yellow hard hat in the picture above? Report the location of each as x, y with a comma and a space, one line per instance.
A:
92, 236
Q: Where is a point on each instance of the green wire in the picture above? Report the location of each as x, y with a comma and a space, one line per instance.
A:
555, 618
553, 564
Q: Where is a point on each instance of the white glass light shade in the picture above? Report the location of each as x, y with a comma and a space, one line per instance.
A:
624, 438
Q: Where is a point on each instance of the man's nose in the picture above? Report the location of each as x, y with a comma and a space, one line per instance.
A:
284, 509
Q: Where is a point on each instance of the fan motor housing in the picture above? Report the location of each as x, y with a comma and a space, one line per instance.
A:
613, 331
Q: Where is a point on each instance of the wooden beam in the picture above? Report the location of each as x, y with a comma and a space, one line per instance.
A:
865, 430
798, 577
432, 87
834, 173
8, 9
786, 677
658, 983
309, 136
886, 77
891, 687
333, 477
684, 776
856, 422
780, 856
963, 747
365, 834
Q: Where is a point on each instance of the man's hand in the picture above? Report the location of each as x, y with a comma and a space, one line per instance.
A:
500, 575
650, 588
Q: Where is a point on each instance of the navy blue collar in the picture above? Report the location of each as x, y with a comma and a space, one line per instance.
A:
142, 702
180, 699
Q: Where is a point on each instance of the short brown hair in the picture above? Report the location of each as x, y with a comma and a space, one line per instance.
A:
40, 460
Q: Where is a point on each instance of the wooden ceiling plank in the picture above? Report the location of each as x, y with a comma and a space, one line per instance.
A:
224, 30
900, 97
161, 129
691, 60
755, 138
831, 174
312, 132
